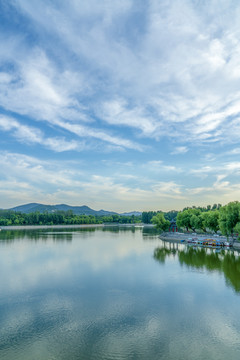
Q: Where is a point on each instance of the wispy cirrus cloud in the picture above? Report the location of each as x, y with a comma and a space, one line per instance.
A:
235, 151
228, 168
117, 112
129, 84
34, 176
159, 165
40, 95
89, 132
180, 96
29, 169
32, 135
179, 150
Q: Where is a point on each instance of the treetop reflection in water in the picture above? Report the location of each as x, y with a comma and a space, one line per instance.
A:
225, 261
102, 295
58, 234
61, 234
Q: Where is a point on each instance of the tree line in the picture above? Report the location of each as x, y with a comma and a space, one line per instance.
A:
9, 217
216, 218
225, 219
148, 215
172, 214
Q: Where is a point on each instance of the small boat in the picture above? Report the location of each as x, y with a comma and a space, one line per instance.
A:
227, 244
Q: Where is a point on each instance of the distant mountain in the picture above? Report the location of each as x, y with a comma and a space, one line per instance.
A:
26, 208
77, 210
135, 213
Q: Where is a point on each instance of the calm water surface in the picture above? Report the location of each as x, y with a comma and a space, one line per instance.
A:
115, 293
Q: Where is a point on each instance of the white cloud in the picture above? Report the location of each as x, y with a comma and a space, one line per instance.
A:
232, 166
60, 144
28, 169
203, 170
37, 180
84, 131
226, 168
179, 150
36, 88
168, 189
32, 135
158, 165
148, 89
116, 112
27, 179
116, 77
43, 94
235, 151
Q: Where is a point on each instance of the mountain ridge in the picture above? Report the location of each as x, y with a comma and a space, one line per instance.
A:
77, 210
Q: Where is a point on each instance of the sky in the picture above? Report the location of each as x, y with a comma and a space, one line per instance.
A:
120, 105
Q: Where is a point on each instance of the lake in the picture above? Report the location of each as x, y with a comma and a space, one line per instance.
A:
115, 293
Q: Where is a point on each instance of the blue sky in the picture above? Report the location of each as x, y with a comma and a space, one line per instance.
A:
121, 105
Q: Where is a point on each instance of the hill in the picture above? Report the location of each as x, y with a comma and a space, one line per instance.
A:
135, 213
77, 210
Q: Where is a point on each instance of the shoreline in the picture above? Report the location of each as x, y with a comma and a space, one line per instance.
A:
61, 226
36, 227
170, 237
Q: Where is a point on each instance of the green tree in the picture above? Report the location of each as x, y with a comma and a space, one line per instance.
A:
211, 220
184, 219
237, 229
161, 223
229, 216
170, 215
196, 222
147, 216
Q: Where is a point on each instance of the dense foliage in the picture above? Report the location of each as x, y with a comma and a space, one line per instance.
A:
224, 218
148, 215
161, 223
8, 217
211, 218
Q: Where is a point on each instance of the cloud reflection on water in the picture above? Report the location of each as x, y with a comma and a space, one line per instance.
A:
101, 295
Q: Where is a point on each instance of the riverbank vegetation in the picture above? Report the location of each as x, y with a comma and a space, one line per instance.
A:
148, 215
8, 218
225, 219
160, 222
216, 218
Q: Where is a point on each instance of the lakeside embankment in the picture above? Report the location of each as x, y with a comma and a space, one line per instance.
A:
36, 227
74, 226
177, 237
